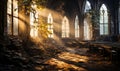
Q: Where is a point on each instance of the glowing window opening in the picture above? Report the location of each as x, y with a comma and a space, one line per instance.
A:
76, 27
103, 20
33, 24
65, 27
50, 26
87, 31
87, 6
12, 17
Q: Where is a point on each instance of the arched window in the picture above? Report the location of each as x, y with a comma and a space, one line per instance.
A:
33, 24
50, 26
12, 17
103, 20
65, 27
87, 6
87, 22
76, 27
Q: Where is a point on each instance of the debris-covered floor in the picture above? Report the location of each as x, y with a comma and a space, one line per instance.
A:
55, 59
77, 59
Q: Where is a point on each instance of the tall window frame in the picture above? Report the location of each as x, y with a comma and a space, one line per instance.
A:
77, 27
12, 17
103, 20
65, 27
34, 23
50, 25
87, 31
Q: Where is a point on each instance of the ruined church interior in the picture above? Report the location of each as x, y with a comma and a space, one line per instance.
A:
59, 35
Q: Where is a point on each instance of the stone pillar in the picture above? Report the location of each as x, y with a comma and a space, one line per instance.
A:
3, 19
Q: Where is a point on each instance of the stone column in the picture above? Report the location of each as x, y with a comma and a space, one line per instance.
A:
3, 19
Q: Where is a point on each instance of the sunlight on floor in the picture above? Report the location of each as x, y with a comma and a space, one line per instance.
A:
66, 61
73, 57
63, 65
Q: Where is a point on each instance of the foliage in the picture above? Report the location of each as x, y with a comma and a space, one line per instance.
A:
43, 29
94, 17
27, 4
94, 20
34, 6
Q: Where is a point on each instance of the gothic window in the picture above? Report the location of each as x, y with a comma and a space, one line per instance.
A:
33, 24
76, 27
87, 22
50, 25
65, 27
87, 6
103, 20
12, 17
